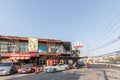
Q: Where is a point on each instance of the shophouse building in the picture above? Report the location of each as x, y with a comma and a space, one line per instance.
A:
35, 50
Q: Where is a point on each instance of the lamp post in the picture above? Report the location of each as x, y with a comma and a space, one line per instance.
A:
87, 51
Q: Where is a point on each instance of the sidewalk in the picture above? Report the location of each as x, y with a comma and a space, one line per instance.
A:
118, 65
113, 74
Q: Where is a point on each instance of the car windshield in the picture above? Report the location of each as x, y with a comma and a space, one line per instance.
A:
5, 64
28, 65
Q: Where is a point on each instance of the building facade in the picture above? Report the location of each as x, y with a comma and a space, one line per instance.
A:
35, 50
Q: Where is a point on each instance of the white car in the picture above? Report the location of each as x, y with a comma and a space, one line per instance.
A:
57, 67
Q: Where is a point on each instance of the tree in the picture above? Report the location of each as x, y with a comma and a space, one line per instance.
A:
117, 58
76, 52
111, 59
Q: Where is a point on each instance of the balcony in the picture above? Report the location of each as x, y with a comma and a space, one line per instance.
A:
66, 54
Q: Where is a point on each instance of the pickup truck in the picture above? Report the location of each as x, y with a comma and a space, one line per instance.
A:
57, 67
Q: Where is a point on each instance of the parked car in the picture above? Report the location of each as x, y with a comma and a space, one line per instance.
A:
57, 67
117, 62
78, 65
7, 68
27, 68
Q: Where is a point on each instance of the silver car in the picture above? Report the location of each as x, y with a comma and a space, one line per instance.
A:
7, 68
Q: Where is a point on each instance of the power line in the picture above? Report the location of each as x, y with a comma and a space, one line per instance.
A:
113, 41
111, 53
108, 28
112, 33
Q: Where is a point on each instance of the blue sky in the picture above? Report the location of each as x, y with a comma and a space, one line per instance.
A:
68, 20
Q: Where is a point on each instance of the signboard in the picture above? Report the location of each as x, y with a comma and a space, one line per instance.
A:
20, 55
33, 45
78, 44
42, 48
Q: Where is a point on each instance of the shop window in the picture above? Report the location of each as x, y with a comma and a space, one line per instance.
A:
4, 47
23, 47
55, 49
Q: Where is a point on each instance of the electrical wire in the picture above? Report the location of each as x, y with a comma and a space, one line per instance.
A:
108, 28
109, 43
112, 32
101, 36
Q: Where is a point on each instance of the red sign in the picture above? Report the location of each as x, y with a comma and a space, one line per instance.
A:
20, 54
78, 44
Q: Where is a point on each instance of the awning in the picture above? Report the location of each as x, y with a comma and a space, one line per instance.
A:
19, 58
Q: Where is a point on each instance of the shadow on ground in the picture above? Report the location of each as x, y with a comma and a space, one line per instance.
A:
64, 75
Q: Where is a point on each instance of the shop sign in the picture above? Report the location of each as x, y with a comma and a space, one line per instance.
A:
78, 44
20, 55
33, 44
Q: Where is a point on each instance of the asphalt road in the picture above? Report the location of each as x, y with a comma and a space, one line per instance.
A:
96, 72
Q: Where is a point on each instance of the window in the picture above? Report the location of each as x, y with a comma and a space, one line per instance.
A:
55, 49
41, 62
23, 47
4, 46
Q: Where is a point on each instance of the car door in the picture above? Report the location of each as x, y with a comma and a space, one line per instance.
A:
58, 67
62, 67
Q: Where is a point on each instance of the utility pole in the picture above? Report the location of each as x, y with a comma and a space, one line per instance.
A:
87, 49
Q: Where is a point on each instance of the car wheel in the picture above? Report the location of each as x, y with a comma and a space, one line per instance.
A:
76, 67
54, 70
11, 72
66, 68
32, 70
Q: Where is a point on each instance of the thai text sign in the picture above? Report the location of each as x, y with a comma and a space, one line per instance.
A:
33, 44
20, 55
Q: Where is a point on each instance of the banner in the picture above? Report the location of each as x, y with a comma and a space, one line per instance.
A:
20, 55
42, 48
33, 44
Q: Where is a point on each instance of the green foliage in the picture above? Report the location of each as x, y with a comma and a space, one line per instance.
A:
117, 58
76, 52
111, 59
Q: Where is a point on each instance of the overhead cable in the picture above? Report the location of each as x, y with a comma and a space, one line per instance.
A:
113, 41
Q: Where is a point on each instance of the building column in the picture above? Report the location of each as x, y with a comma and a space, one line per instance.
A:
47, 62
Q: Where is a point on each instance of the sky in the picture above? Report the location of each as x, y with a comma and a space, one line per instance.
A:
91, 21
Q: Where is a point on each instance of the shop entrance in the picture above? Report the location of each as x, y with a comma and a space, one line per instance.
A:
41, 62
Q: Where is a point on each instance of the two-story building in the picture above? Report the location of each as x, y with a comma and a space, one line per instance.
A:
34, 50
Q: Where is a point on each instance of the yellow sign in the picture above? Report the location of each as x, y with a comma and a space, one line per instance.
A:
33, 44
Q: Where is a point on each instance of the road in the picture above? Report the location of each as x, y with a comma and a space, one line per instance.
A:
96, 72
